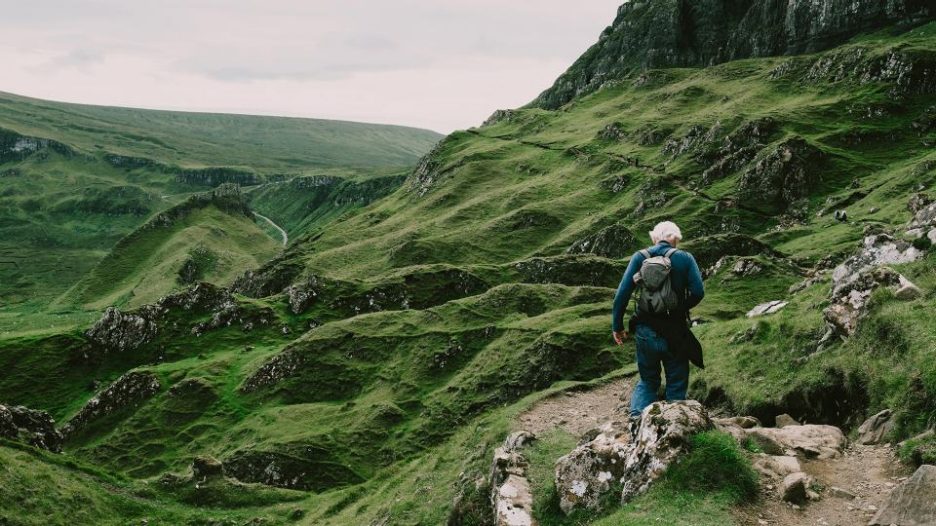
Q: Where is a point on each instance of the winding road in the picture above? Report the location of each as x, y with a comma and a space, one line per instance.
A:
277, 227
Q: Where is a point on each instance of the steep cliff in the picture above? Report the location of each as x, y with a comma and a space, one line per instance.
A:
687, 33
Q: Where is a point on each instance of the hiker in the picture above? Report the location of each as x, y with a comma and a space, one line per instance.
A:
669, 284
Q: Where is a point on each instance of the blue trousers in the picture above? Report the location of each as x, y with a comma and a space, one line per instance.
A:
653, 356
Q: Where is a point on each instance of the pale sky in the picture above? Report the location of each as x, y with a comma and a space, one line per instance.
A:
438, 64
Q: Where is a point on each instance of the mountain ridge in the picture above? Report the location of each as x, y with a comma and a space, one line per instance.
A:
648, 34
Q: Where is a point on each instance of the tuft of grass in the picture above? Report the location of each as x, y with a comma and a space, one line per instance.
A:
919, 450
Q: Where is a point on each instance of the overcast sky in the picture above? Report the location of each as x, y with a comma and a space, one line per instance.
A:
439, 64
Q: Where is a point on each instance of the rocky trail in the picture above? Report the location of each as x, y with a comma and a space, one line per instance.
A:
841, 485
852, 489
577, 412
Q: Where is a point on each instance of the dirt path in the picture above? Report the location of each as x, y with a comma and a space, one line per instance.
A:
282, 232
578, 411
869, 473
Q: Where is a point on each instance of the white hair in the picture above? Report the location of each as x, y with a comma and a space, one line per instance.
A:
666, 231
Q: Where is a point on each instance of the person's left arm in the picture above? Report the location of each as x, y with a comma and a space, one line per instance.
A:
695, 286
622, 298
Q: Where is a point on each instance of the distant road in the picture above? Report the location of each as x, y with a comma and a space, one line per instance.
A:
274, 225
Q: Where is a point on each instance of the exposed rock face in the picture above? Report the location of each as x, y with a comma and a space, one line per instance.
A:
680, 33
913, 503
570, 270
786, 173
857, 277
924, 222
511, 496
119, 332
876, 429
429, 170
664, 435
615, 241
30, 426
206, 467
296, 466
127, 391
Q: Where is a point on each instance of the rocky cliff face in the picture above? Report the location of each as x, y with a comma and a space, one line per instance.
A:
685, 33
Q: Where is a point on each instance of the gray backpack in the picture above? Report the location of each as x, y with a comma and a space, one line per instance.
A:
656, 292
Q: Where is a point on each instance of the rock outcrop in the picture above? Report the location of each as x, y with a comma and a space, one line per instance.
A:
127, 391
610, 458
117, 331
876, 429
615, 241
29, 426
783, 175
511, 496
913, 503
680, 33
859, 276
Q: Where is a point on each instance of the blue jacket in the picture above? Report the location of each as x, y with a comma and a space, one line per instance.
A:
684, 277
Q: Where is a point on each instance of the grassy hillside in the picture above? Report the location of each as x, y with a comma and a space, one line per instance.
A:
77, 179
212, 238
197, 140
382, 359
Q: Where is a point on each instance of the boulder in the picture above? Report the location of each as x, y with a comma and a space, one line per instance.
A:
29, 426
775, 466
875, 429
663, 436
127, 391
876, 250
511, 496
924, 220
764, 309
851, 293
913, 503
795, 487
809, 440
206, 467
785, 420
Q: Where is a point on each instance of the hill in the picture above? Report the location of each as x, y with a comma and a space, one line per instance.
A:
200, 140
77, 179
371, 369
209, 237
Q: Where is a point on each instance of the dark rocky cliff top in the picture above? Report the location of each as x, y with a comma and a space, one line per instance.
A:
687, 33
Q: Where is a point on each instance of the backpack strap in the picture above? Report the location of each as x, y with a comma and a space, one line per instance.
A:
669, 253
645, 253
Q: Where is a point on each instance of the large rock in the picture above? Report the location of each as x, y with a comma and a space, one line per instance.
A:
664, 436
118, 331
913, 503
511, 496
875, 429
29, 426
615, 241
794, 487
852, 292
776, 466
674, 33
764, 309
783, 175
127, 391
811, 441
876, 250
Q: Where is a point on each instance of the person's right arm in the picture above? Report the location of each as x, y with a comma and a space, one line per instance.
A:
624, 291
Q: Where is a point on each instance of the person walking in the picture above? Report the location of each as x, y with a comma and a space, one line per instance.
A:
669, 284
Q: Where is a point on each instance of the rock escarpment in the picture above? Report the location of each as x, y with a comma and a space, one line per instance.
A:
127, 391
681, 33
29, 426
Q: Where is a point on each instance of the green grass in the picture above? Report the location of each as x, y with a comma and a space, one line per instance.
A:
448, 305
264, 144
